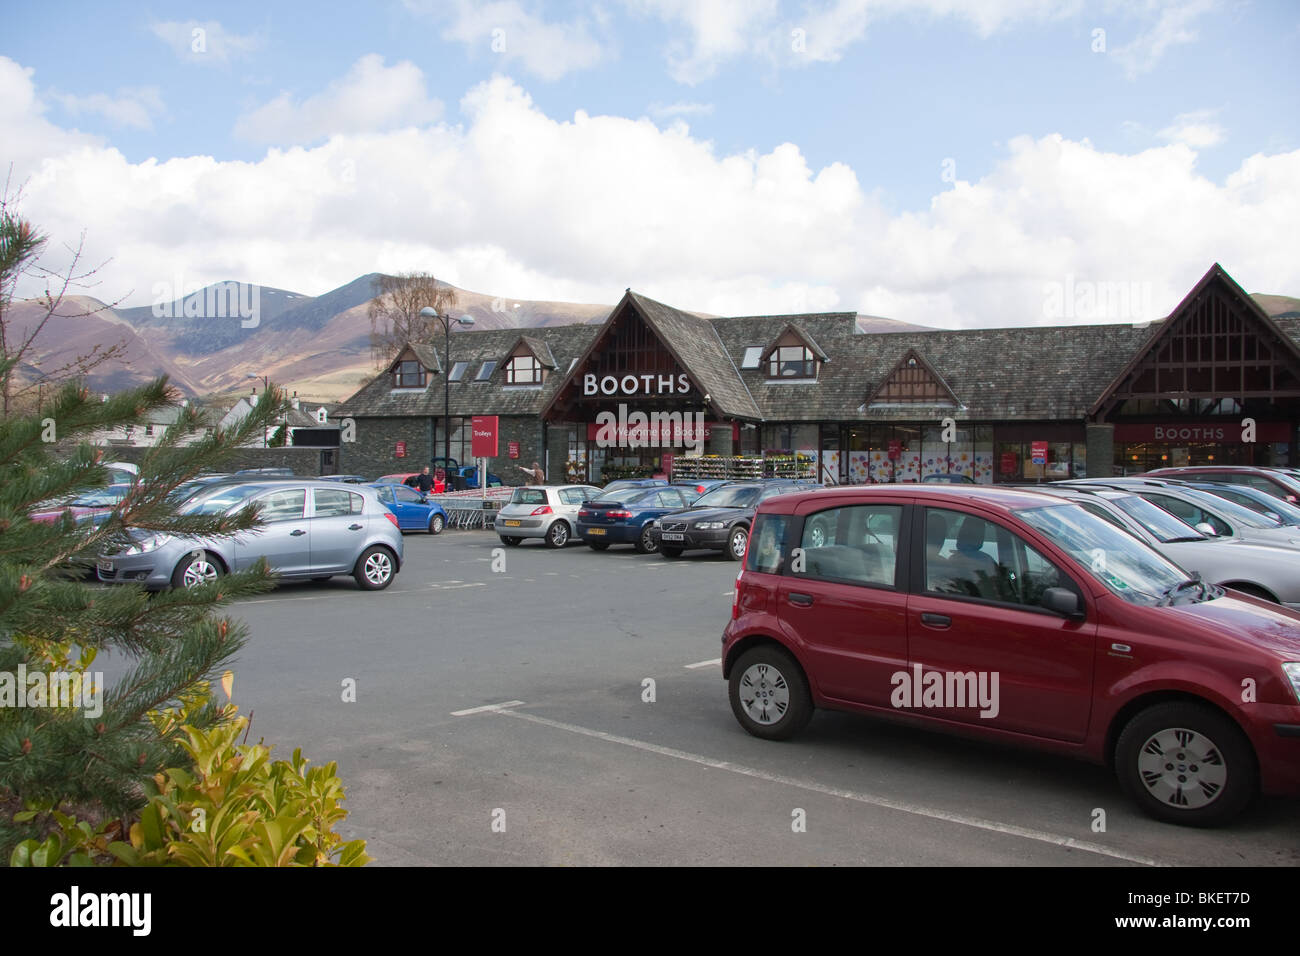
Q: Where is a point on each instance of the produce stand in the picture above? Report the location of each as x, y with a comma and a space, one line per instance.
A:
738, 468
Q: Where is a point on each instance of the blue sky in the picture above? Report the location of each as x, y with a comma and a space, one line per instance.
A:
933, 117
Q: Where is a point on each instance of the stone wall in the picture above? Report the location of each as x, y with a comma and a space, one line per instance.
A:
373, 452
303, 461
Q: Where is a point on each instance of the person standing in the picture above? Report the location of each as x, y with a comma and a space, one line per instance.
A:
535, 474
424, 481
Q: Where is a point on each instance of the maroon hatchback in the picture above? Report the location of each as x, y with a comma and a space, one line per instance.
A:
1021, 618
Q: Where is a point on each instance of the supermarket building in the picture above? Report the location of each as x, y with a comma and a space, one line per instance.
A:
812, 394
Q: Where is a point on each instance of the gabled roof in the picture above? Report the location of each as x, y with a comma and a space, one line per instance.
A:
427, 355
802, 335
541, 351
1273, 333
912, 374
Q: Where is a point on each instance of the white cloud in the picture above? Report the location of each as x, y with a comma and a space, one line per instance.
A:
205, 41
370, 98
27, 135
506, 30
517, 203
1196, 129
133, 107
1173, 26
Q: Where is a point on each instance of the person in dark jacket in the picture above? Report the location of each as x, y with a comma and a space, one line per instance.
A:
424, 481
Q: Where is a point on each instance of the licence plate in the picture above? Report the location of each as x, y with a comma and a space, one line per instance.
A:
511, 523
106, 567
595, 531
673, 536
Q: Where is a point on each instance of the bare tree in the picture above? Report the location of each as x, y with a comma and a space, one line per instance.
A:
395, 312
21, 246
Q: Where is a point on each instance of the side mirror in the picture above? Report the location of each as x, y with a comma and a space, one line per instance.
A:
1064, 602
1207, 529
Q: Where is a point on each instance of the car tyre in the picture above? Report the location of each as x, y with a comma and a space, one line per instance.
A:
671, 552
436, 523
198, 567
737, 541
1186, 763
769, 693
557, 535
645, 542
510, 542
375, 569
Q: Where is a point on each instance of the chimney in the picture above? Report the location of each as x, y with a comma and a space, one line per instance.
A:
295, 401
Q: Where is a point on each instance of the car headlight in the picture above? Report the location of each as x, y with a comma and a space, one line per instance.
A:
710, 525
1292, 669
151, 543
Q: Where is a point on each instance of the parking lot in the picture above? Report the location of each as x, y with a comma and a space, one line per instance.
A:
568, 708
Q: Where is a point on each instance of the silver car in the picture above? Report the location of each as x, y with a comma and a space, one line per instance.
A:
543, 511
312, 529
1261, 570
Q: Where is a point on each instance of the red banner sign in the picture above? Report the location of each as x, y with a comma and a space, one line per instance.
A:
647, 435
1038, 452
1183, 432
399, 450
895, 449
483, 444
1008, 463
513, 448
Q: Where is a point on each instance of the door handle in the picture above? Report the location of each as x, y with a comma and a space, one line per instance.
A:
297, 531
354, 527
803, 600
936, 620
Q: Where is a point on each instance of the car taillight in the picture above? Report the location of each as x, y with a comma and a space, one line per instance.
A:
393, 518
619, 514
735, 597
584, 514
543, 510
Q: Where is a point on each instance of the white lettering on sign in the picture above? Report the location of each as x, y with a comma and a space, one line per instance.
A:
1205, 433
645, 384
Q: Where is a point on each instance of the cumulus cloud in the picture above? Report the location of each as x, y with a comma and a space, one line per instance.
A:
1196, 129
370, 98
133, 107
27, 135
205, 42
507, 30
512, 201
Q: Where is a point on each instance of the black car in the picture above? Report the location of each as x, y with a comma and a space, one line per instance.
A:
719, 520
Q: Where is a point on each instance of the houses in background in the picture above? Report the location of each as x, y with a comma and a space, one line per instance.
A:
311, 425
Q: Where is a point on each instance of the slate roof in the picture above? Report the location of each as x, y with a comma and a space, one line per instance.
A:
537, 346
427, 354
1048, 373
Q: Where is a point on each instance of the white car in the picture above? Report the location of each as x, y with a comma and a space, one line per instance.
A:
543, 511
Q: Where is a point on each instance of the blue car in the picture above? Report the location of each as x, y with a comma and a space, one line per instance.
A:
470, 474
624, 517
412, 510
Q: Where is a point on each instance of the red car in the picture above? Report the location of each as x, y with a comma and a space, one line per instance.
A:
87, 505
1020, 618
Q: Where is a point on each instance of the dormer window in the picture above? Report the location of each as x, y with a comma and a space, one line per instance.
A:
792, 361
408, 375
523, 370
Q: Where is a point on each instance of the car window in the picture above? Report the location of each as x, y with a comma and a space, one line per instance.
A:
670, 498
973, 557
528, 496
283, 505
409, 495
855, 543
219, 502
767, 543
330, 503
572, 496
1188, 512
728, 496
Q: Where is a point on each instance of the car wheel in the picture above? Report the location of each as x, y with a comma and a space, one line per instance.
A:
436, 523
199, 567
557, 536
737, 542
769, 693
510, 542
646, 544
1185, 763
374, 570
598, 545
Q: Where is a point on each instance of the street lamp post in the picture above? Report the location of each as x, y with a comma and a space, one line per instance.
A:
429, 312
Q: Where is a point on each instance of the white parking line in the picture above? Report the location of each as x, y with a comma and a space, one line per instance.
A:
993, 826
717, 661
487, 709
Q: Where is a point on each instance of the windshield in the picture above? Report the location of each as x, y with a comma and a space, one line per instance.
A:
1229, 509
221, 501
1118, 560
1260, 502
1164, 526
99, 499
732, 496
